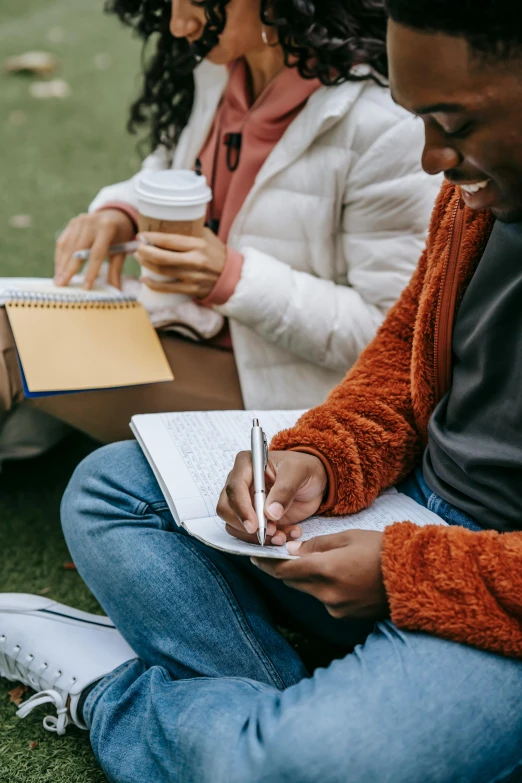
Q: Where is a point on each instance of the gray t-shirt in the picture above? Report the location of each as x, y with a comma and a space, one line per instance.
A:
474, 454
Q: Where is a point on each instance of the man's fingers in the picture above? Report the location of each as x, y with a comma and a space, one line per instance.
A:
251, 538
115, 269
288, 480
274, 535
292, 571
320, 544
235, 502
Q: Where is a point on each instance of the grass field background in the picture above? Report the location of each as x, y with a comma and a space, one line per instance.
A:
55, 155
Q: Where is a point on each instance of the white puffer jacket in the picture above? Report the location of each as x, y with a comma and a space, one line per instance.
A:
331, 233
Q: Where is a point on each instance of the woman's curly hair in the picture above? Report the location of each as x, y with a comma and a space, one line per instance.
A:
323, 39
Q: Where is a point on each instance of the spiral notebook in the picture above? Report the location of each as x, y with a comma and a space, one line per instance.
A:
73, 340
191, 455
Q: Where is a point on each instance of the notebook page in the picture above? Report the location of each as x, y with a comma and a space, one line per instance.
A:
195, 452
43, 285
175, 462
384, 511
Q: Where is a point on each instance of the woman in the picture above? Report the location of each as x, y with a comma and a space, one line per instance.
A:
320, 205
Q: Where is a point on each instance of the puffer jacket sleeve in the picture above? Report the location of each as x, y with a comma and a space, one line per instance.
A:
386, 207
456, 584
124, 191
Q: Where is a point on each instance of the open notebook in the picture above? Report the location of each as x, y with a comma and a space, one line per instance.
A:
69, 339
191, 455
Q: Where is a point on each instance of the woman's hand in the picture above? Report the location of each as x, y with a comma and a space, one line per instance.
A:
342, 570
193, 264
95, 232
297, 484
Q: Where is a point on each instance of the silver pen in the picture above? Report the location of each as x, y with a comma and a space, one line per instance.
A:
125, 247
259, 462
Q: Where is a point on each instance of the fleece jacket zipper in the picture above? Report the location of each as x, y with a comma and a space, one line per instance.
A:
446, 307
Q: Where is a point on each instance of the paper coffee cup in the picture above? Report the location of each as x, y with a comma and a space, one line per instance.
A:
172, 201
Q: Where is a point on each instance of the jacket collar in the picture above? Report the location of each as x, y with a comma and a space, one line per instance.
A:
323, 110
210, 82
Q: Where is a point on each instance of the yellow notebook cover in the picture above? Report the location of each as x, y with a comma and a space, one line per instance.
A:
75, 344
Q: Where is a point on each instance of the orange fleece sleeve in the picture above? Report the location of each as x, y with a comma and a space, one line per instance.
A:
456, 584
365, 432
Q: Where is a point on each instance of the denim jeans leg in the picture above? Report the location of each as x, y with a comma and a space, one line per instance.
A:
415, 487
403, 708
178, 603
217, 696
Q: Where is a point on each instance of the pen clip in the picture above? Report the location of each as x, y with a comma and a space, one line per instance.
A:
265, 451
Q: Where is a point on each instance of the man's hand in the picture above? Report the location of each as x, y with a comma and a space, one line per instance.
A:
343, 571
297, 483
193, 264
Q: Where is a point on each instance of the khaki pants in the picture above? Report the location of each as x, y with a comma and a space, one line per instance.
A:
205, 379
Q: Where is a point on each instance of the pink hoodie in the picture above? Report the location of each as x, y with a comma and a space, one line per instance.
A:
261, 123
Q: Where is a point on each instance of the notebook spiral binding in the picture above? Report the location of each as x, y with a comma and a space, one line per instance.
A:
65, 301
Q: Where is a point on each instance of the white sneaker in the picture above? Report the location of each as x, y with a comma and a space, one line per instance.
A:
58, 652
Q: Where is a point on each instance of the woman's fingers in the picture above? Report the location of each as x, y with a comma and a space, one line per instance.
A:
66, 244
164, 261
115, 269
71, 268
189, 287
99, 252
95, 232
179, 243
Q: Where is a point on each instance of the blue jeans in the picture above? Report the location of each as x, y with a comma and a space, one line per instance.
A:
217, 695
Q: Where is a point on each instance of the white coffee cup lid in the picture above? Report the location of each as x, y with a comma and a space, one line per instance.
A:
174, 187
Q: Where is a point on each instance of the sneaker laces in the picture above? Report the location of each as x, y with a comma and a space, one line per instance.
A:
50, 722
15, 666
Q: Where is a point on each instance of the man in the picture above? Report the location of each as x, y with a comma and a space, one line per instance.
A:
216, 693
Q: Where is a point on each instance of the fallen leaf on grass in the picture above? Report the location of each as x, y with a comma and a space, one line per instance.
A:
33, 745
16, 695
44, 591
20, 221
69, 566
56, 88
36, 63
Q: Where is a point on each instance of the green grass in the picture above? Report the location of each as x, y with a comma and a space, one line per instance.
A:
55, 155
